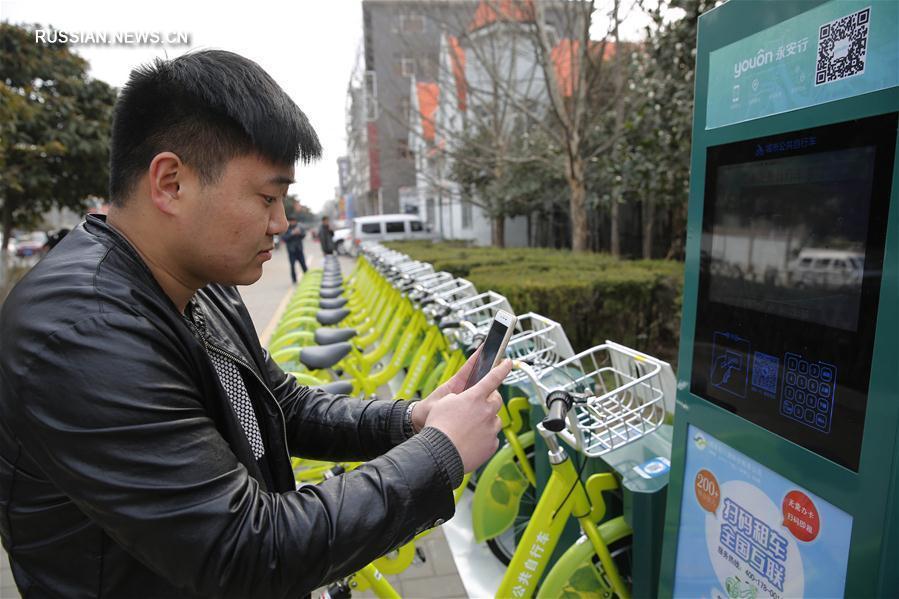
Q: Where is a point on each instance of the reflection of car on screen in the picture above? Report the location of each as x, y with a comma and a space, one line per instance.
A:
827, 268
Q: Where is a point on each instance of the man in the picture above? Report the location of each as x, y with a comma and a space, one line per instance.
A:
144, 433
293, 241
326, 236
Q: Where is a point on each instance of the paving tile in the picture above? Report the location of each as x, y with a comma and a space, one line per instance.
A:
436, 587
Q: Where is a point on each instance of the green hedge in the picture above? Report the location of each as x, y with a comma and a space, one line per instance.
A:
594, 296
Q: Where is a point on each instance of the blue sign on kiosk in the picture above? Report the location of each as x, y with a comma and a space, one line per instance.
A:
785, 456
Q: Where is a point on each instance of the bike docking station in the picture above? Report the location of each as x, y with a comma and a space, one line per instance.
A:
784, 479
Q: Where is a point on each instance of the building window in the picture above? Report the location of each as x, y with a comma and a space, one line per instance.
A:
403, 150
405, 109
407, 66
466, 214
371, 96
412, 23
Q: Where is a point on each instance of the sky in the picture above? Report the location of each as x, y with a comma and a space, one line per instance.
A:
308, 46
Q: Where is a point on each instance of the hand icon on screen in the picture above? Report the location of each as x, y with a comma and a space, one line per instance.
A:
724, 366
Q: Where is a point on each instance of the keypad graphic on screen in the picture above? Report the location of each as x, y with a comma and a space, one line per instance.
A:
808, 391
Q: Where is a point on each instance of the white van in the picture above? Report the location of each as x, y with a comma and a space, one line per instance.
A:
832, 269
389, 227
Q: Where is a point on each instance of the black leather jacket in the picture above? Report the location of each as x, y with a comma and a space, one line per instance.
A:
124, 471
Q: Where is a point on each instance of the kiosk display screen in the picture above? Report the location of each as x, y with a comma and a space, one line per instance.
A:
791, 256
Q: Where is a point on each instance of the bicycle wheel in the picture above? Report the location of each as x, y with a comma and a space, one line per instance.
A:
579, 572
504, 545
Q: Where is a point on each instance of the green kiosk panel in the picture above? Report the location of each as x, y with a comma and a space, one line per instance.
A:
785, 456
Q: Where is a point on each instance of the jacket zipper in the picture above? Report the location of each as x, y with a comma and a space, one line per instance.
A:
227, 354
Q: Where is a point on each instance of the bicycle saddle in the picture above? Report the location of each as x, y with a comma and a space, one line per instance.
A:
330, 292
330, 304
323, 356
327, 317
329, 336
336, 282
337, 387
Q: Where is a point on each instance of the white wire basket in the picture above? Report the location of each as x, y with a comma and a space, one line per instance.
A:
415, 269
480, 309
618, 392
434, 279
454, 290
539, 342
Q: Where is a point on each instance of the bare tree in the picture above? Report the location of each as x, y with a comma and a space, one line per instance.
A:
532, 67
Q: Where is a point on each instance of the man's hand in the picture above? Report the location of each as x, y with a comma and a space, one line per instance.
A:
469, 418
456, 384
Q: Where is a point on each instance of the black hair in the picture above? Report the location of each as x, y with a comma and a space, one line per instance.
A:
207, 107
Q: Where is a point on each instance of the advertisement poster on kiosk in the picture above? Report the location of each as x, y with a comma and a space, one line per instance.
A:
747, 532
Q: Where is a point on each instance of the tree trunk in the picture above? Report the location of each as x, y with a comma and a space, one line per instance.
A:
7, 224
499, 231
678, 226
530, 230
578, 189
614, 223
649, 221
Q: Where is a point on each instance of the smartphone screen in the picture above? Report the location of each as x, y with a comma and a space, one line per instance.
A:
490, 349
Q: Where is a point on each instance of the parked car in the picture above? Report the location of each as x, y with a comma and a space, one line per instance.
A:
827, 268
343, 240
389, 227
31, 244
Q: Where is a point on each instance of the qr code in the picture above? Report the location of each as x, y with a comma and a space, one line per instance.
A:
764, 372
842, 47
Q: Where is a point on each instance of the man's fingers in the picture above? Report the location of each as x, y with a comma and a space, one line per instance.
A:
496, 401
469, 364
492, 379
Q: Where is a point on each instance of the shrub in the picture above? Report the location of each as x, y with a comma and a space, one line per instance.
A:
594, 296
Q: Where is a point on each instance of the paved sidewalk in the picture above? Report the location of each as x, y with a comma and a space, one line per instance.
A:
436, 577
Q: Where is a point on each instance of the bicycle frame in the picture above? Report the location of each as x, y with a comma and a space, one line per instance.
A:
511, 469
556, 504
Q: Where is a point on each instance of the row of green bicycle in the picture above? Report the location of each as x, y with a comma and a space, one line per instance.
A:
396, 327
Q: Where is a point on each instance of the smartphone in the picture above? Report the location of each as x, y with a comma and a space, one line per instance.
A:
493, 349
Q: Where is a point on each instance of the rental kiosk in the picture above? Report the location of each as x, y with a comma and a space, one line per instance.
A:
785, 456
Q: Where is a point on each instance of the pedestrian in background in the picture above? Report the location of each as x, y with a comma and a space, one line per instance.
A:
293, 241
326, 237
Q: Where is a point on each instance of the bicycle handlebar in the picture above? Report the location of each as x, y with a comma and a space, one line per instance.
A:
558, 402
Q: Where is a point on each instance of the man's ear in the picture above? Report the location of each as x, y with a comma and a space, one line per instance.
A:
165, 177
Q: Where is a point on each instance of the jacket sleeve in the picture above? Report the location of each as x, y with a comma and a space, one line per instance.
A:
322, 425
109, 409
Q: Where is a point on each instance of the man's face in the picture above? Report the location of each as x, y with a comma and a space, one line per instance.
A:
228, 226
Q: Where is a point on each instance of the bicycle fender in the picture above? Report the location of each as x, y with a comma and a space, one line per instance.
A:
289, 339
574, 574
396, 561
497, 497
433, 379
304, 378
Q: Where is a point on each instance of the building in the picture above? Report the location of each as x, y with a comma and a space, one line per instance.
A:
489, 79
401, 42
426, 78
